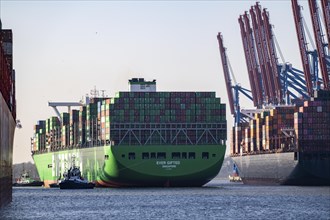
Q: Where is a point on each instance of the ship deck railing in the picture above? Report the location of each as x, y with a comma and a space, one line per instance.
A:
85, 145
274, 151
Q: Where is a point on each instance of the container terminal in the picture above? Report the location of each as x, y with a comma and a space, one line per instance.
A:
284, 138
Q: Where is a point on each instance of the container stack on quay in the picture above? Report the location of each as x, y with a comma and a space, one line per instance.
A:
104, 121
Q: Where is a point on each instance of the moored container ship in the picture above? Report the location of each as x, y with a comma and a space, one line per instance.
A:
285, 137
137, 138
7, 115
288, 145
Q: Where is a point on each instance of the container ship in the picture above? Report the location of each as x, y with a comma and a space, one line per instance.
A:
285, 137
7, 115
288, 145
137, 138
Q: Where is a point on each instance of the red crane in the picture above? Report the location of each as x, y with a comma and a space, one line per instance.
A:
320, 43
262, 62
265, 52
273, 56
326, 15
252, 56
302, 45
249, 64
225, 67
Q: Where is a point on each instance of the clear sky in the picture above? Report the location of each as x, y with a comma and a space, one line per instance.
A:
62, 49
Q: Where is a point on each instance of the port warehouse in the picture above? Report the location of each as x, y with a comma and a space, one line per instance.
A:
136, 118
292, 106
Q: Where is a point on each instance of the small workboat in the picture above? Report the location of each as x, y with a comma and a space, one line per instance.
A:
26, 180
74, 180
235, 177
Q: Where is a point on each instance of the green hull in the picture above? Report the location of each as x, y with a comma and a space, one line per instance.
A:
151, 165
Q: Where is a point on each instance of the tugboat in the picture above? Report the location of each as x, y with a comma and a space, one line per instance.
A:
25, 180
74, 180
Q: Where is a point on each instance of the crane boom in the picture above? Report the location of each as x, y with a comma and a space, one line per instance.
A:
254, 60
248, 62
326, 15
225, 67
302, 45
321, 46
262, 62
265, 53
273, 57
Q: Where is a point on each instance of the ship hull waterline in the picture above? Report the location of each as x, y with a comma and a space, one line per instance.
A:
138, 166
7, 131
282, 169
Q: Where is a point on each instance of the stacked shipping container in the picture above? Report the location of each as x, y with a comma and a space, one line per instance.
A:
39, 142
264, 132
287, 128
139, 118
7, 74
74, 127
82, 125
311, 125
53, 133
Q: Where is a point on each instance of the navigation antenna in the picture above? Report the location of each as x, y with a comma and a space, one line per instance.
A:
103, 91
94, 92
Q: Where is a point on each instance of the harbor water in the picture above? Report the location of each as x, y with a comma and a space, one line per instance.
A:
217, 200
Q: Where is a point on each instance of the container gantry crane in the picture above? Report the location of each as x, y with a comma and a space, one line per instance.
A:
252, 62
247, 33
310, 64
232, 90
326, 15
269, 47
321, 45
262, 63
251, 67
258, 25
289, 81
